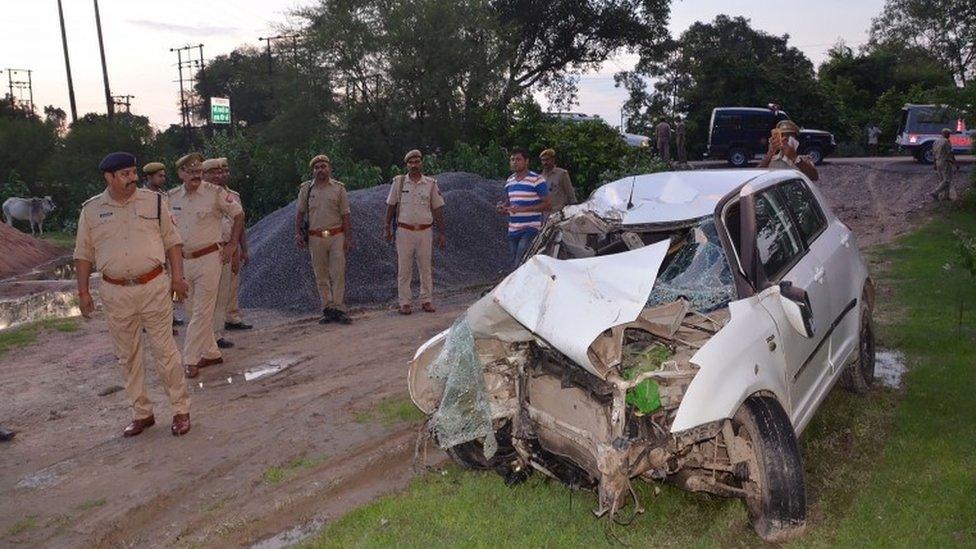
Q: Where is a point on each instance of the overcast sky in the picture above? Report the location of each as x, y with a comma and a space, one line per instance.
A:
138, 35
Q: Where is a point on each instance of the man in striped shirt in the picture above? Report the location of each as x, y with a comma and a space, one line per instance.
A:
527, 199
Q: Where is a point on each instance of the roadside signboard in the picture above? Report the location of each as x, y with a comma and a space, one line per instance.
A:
219, 110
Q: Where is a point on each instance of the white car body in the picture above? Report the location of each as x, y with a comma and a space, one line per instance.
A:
765, 344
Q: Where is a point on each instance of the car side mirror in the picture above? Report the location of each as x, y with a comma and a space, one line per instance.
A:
796, 305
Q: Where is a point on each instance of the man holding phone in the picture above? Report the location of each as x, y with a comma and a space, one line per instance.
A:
782, 152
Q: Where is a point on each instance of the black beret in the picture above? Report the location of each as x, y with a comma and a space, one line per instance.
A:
117, 161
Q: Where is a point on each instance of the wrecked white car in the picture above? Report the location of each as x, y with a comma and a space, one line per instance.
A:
680, 327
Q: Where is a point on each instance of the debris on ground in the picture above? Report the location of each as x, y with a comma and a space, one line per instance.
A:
6, 434
109, 390
279, 275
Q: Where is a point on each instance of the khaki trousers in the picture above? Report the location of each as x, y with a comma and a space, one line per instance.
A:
664, 149
414, 247
329, 266
203, 276
129, 310
233, 311
945, 180
223, 298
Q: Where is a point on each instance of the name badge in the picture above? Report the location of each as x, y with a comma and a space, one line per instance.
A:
106, 214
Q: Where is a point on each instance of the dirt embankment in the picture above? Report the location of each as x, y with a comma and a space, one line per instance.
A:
21, 252
293, 448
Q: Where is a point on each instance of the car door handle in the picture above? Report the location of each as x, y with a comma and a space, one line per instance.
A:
818, 275
846, 240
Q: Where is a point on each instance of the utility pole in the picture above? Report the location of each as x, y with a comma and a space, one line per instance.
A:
123, 101
109, 106
15, 82
67, 66
186, 85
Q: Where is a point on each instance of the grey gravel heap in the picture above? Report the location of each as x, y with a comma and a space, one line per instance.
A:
279, 275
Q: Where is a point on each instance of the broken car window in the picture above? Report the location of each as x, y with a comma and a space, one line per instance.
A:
808, 214
697, 271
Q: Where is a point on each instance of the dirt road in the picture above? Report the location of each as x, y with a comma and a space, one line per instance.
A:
269, 455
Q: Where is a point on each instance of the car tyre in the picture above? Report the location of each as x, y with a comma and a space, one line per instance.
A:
777, 508
471, 455
925, 154
815, 154
859, 376
738, 157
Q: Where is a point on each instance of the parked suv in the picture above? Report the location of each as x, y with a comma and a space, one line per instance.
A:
921, 124
741, 134
678, 326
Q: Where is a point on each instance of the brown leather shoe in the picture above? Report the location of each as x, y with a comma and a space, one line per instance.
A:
191, 371
204, 362
405, 310
181, 425
138, 426
429, 307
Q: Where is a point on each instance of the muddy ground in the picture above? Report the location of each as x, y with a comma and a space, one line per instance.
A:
269, 457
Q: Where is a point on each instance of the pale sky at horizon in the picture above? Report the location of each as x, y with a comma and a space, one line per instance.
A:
139, 33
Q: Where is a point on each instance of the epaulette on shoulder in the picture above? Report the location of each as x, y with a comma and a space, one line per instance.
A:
85, 203
173, 191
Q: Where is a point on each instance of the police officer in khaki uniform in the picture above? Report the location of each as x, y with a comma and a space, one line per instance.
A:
945, 164
232, 314
213, 173
155, 173
128, 234
198, 207
561, 190
324, 202
417, 204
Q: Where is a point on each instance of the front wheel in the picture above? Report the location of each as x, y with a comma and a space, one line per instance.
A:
925, 154
859, 376
776, 486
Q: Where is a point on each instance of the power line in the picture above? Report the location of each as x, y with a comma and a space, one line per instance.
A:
187, 96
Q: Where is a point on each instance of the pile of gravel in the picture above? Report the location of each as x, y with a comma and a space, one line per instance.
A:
279, 275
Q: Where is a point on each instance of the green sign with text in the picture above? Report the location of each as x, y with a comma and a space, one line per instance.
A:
219, 110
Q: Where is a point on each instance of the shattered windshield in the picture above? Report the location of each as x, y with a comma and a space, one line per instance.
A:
697, 271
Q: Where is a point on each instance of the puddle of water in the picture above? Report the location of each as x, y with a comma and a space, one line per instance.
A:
261, 371
291, 536
889, 367
62, 268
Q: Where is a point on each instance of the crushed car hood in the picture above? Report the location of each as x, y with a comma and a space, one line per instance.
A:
567, 303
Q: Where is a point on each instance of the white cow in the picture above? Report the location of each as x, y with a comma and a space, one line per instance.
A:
32, 210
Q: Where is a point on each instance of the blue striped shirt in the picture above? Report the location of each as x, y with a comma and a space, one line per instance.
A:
528, 191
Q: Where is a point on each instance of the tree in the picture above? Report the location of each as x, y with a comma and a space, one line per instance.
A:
946, 28
725, 63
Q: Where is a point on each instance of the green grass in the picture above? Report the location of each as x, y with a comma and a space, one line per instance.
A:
22, 336
278, 473
390, 411
22, 525
894, 468
60, 238
90, 504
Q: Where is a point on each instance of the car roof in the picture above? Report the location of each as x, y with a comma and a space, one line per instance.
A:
667, 197
746, 109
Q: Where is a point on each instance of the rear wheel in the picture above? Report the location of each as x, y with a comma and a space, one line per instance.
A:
738, 157
775, 484
925, 154
859, 376
815, 154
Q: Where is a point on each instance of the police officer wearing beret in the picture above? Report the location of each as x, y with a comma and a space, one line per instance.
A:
128, 234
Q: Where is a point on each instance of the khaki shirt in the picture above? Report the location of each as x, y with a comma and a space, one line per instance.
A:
198, 214
662, 131
942, 150
227, 223
125, 239
561, 190
326, 204
417, 199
